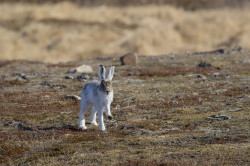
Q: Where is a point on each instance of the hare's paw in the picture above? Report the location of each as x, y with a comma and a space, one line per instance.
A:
110, 117
102, 128
82, 126
94, 123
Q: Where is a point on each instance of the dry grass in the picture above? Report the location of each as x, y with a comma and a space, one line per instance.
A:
161, 109
66, 32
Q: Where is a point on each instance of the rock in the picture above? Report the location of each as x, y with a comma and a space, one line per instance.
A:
127, 101
13, 122
51, 85
142, 131
211, 131
201, 76
238, 48
45, 83
174, 102
220, 51
203, 64
72, 97
129, 59
20, 76
81, 69
127, 127
17, 125
195, 94
83, 77
158, 91
69, 77
72, 70
173, 129
216, 74
219, 117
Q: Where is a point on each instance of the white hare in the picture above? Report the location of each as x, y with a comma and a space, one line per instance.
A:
99, 94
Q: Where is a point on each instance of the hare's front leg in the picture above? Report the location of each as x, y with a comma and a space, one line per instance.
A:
108, 112
84, 107
93, 116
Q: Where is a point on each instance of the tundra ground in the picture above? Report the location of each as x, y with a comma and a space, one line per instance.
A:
167, 111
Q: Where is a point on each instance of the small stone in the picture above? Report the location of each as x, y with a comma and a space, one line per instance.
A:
219, 117
127, 127
174, 102
158, 91
220, 51
69, 77
128, 101
20, 76
203, 64
129, 59
238, 48
216, 74
142, 131
173, 129
81, 69
72, 71
45, 83
72, 97
201, 76
195, 94
83, 77
13, 122
51, 85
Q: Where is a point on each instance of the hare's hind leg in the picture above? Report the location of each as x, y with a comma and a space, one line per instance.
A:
84, 107
93, 116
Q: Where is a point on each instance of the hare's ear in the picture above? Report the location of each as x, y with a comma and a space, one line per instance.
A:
102, 72
110, 74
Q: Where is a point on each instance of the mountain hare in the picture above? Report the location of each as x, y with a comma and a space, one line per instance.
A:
99, 94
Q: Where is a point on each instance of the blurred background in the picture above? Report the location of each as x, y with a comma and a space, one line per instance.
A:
60, 31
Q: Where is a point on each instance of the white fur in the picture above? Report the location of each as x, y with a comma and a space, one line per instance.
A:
92, 95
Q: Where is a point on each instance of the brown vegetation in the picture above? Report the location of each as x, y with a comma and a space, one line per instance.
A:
163, 111
65, 31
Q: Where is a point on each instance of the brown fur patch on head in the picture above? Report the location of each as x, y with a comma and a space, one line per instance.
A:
106, 86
